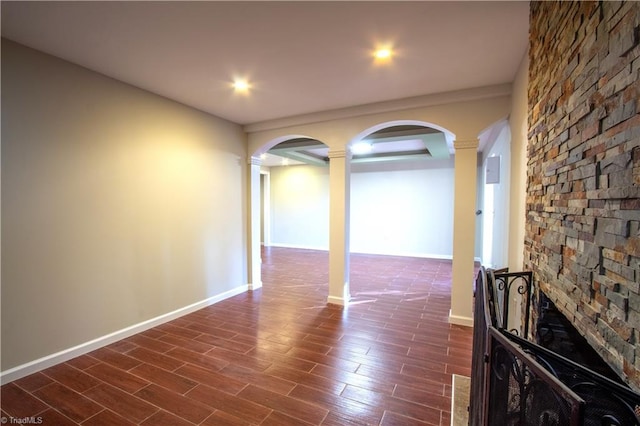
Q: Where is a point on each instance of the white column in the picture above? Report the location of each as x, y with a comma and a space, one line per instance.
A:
339, 181
254, 260
464, 231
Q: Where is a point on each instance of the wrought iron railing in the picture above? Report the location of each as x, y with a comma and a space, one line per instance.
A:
517, 382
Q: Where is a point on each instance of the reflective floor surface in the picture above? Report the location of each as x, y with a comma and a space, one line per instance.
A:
276, 356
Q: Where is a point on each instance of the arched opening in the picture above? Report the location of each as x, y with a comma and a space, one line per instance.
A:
293, 186
402, 190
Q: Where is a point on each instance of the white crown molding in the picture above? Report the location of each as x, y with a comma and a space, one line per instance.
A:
444, 98
254, 161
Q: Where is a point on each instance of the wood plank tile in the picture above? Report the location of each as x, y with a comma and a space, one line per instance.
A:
165, 419
404, 408
430, 399
107, 418
263, 379
276, 418
195, 358
153, 333
148, 343
237, 407
387, 359
122, 346
348, 409
293, 377
243, 360
270, 358
230, 344
117, 377
124, 404
53, 417
17, 402
33, 382
68, 402
212, 378
71, 377
415, 376
376, 382
211, 330
83, 362
171, 328
116, 359
394, 419
290, 406
219, 418
337, 363
159, 360
188, 344
164, 378
175, 403
335, 418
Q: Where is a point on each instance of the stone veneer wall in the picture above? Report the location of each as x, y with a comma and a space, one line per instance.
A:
583, 183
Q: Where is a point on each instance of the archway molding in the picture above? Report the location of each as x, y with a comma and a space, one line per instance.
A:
462, 120
450, 136
266, 146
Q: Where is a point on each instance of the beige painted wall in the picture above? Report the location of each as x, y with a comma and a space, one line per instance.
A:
518, 189
392, 207
118, 205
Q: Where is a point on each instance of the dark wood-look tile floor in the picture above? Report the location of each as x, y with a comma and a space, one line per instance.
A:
276, 356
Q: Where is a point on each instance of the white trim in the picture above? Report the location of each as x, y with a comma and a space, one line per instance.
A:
380, 253
407, 254
460, 320
23, 370
254, 286
297, 246
265, 196
337, 301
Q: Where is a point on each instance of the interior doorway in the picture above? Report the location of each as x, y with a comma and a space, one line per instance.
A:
495, 189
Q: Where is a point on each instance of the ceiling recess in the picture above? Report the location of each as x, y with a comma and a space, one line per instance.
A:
396, 143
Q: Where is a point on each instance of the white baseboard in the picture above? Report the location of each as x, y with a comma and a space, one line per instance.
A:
460, 320
300, 247
23, 370
381, 253
407, 254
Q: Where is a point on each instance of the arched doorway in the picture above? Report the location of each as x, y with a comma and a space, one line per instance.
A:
284, 173
402, 191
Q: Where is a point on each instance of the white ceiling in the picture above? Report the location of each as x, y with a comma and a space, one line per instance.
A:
302, 57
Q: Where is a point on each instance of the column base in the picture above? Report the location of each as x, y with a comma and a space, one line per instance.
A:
460, 320
333, 300
254, 286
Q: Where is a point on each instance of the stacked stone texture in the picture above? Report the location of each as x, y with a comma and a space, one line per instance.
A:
583, 185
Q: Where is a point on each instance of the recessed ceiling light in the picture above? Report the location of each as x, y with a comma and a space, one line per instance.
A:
361, 148
383, 54
285, 162
241, 86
